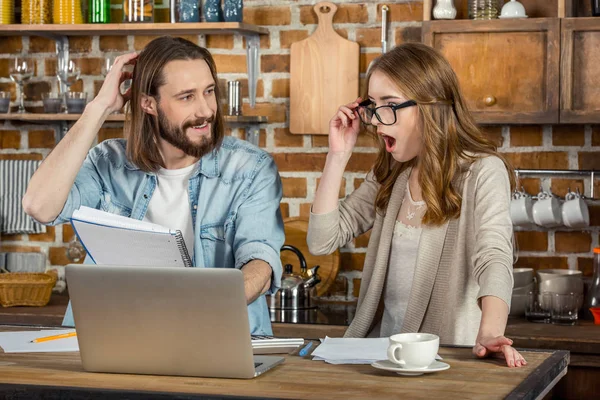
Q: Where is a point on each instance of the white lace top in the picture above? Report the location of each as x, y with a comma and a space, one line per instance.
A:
401, 267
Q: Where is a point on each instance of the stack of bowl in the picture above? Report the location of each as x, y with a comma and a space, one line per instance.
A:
523, 284
561, 281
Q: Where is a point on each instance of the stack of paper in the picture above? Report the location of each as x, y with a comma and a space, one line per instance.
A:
352, 350
20, 342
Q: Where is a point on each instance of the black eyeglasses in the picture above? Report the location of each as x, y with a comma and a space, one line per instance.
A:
385, 114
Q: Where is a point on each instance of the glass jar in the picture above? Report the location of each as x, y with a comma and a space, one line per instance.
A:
485, 9
592, 298
36, 12
67, 12
138, 10
99, 11
7, 12
185, 11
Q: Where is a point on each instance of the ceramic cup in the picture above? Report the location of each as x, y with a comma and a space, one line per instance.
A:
575, 213
521, 209
546, 210
413, 350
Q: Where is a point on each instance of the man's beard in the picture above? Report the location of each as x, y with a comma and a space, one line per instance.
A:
176, 135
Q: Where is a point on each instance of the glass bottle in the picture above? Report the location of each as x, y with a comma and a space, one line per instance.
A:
67, 12
7, 11
138, 10
484, 9
99, 11
593, 296
36, 12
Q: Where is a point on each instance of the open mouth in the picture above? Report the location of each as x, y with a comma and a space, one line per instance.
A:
389, 142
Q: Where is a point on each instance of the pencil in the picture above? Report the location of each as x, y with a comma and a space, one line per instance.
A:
54, 337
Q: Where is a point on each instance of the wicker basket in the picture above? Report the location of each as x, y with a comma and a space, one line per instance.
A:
26, 288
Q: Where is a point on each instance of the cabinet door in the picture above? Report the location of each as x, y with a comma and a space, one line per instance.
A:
508, 69
580, 70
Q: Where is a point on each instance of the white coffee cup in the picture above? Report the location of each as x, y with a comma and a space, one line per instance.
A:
546, 210
413, 350
575, 213
521, 209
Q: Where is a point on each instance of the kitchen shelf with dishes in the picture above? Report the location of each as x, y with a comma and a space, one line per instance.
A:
60, 33
250, 122
559, 38
39, 117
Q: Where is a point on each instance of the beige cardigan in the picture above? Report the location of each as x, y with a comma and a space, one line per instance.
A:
457, 263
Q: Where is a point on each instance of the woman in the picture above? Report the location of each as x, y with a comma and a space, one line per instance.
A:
439, 258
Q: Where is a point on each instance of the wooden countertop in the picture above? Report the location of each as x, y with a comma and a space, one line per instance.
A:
583, 338
61, 375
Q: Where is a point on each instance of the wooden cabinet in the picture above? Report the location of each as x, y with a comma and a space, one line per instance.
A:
580, 70
508, 69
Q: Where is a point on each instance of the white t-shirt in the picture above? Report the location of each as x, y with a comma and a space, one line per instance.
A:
170, 203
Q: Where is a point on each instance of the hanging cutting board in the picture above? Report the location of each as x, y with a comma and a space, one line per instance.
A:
296, 229
323, 75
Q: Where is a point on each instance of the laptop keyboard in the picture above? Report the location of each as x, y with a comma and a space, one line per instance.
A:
261, 337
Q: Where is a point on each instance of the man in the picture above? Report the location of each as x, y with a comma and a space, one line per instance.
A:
175, 169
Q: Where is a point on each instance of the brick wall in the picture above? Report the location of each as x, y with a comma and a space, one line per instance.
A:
301, 158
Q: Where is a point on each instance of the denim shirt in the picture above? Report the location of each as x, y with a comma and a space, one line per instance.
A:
234, 196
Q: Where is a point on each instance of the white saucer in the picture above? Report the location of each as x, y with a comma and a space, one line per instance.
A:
511, 17
390, 366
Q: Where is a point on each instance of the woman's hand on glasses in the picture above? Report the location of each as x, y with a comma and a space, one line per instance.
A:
344, 128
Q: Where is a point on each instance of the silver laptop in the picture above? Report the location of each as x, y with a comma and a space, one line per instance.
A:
163, 321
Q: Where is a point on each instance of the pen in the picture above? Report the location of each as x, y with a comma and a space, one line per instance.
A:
53, 337
305, 349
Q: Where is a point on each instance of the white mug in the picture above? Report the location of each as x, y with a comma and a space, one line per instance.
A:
575, 213
413, 350
546, 210
521, 209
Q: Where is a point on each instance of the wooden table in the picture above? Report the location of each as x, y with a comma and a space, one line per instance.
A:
583, 341
60, 375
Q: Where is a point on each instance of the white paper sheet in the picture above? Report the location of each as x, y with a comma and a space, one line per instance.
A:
352, 350
20, 342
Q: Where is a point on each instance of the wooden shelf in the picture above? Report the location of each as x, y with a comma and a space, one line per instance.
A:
206, 28
36, 117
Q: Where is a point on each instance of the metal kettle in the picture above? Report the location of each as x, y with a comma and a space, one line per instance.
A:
297, 291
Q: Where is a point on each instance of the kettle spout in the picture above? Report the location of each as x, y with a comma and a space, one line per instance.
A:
314, 278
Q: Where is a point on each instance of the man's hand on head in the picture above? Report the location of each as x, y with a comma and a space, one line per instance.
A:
110, 97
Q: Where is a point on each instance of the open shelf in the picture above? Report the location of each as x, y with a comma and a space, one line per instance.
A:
208, 28
36, 117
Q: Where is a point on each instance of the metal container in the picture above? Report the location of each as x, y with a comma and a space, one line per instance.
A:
234, 98
297, 291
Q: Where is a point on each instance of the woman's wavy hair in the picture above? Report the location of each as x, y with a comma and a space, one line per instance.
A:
142, 129
451, 139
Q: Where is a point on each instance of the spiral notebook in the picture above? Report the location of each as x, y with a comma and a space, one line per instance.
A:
112, 239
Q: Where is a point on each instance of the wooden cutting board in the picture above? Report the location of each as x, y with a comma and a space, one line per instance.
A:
295, 235
323, 75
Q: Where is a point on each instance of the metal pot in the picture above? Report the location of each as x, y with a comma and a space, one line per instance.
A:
297, 291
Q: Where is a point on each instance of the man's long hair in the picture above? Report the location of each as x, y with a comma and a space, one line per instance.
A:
451, 138
142, 129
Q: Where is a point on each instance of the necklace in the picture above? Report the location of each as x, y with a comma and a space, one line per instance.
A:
414, 207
